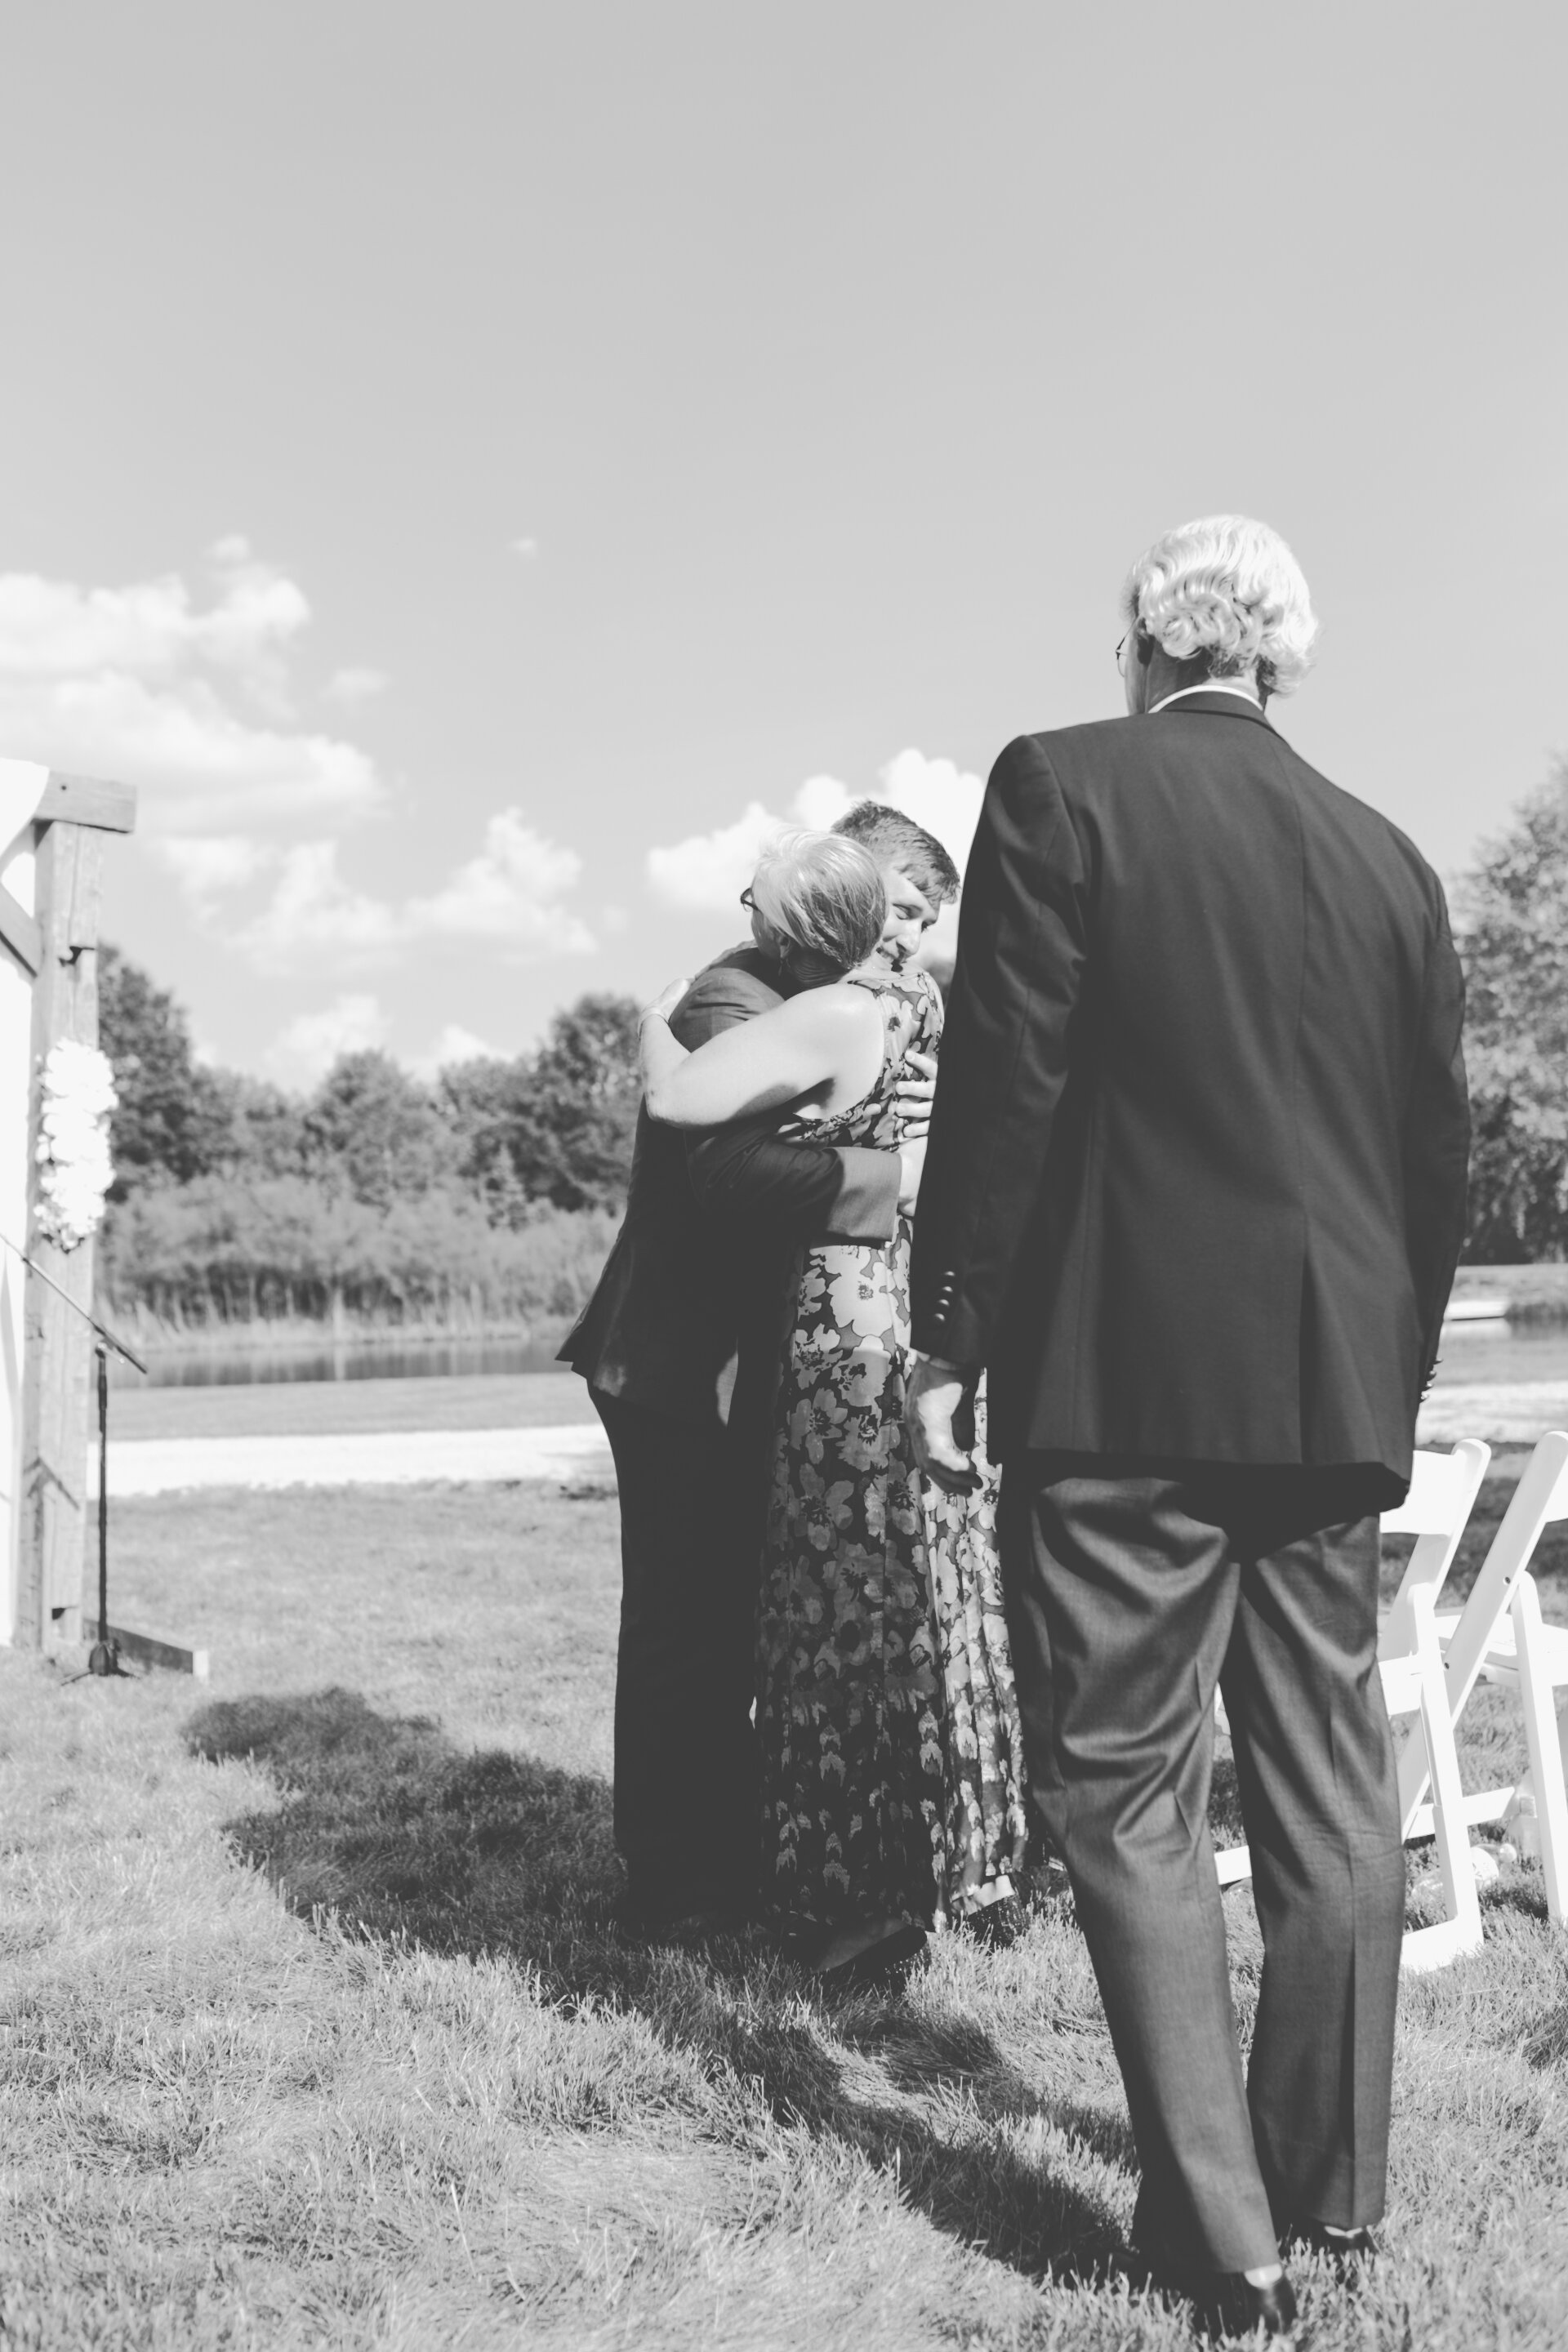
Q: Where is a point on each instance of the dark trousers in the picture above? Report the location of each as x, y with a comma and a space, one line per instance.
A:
1129, 1597
686, 1763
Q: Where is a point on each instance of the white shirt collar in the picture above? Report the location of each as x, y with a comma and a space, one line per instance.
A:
1209, 685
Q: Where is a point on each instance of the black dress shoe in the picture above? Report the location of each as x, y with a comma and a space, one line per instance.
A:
710, 1906
996, 1924
1225, 2302
882, 1967
1351, 2251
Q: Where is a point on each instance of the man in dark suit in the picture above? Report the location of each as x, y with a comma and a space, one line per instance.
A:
1194, 1193
679, 1348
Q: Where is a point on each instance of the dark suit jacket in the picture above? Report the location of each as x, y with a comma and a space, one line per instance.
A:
1195, 1187
713, 1223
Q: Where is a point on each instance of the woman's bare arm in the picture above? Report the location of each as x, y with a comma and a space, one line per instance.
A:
821, 1041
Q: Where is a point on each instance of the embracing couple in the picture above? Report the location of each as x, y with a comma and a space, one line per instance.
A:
1191, 1201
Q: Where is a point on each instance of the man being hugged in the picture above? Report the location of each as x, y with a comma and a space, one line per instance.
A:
680, 1348
1194, 1193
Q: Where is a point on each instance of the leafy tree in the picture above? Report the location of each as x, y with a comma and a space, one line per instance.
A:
485, 1102
171, 1119
215, 1251
583, 1104
376, 1131
1514, 941
557, 1127
263, 1127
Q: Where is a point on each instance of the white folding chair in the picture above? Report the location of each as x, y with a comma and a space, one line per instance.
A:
1443, 1489
1499, 1637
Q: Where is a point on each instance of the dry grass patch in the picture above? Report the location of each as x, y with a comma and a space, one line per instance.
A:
316, 2026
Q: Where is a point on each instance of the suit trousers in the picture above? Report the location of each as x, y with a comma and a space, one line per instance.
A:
1131, 1589
686, 1759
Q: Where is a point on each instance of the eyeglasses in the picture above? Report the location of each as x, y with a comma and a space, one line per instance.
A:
1120, 649
748, 902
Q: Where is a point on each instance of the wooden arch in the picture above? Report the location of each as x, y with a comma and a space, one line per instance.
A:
51, 877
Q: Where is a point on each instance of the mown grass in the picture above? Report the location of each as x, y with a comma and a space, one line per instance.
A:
316, 2026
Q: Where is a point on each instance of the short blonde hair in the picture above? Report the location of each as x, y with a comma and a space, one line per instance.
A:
1228, 588
823, 893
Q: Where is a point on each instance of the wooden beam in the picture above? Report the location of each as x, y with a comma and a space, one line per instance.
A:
20, 932
88, 800
150, 1651
52, 1523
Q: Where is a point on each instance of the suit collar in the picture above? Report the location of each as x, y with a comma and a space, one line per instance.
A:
1214, 702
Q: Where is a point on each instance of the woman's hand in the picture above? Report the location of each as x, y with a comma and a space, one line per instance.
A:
665, 1002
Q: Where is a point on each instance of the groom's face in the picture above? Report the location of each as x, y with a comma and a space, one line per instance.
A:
910, 917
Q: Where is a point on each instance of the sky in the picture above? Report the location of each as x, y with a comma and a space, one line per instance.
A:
474, 468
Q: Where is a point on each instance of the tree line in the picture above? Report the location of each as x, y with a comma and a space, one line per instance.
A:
1512, 929
489, 1195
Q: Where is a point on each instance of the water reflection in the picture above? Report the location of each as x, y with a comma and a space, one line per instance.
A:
436, 1360
1497, 1353
1488, 1352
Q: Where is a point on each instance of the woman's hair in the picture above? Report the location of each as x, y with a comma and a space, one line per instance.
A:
823, 894
895, 839
1228, 589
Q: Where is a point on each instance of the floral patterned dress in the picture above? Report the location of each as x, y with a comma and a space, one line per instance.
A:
890, 1746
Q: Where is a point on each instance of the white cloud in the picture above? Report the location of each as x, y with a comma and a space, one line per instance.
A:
454, 1045
511, 893
939, 796
356, 684
206, 866
307, 1047
508, 892
188, 702
314, 909
710, 870
49, 628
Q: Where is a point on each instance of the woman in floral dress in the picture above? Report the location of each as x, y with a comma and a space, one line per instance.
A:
887, 1721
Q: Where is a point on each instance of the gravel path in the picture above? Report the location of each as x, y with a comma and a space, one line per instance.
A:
159, 1466
536, 1426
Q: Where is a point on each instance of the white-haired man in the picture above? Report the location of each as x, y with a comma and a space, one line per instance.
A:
1194, 1193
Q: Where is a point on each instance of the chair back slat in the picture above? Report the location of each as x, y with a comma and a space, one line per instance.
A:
1557, 1501
1443, 1490
1541, 1497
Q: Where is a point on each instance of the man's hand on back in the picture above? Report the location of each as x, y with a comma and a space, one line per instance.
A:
913, 1096
911, 1163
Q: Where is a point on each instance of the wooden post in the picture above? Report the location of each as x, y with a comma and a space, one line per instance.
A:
69, 874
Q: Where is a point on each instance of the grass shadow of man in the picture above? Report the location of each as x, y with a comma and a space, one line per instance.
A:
382, 1821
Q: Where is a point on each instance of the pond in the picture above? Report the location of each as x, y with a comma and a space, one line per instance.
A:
1490, 1352
432, 1359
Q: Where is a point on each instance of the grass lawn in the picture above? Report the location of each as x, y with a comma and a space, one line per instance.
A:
316, 2029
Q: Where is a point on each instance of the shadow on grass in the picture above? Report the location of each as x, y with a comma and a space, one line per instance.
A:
381, 1820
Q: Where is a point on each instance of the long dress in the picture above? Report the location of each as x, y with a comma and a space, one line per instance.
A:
889, 1742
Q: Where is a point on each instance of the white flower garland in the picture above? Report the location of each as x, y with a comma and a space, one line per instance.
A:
73, 1142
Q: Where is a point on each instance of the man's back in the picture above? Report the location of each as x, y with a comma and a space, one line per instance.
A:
708, 1240
660, 1328
1244, 978
1194, 1192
